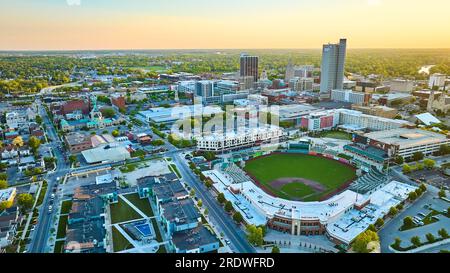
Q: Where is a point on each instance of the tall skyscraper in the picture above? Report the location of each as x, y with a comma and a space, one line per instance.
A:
249, 66
333, 63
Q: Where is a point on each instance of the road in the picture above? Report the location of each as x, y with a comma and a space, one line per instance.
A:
217, 214
42, 231
237, 237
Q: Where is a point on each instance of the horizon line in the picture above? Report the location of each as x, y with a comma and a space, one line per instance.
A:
218, 49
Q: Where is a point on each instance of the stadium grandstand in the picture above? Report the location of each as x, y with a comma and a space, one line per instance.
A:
370, 181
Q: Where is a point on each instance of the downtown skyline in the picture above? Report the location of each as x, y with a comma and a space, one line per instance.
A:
199, 24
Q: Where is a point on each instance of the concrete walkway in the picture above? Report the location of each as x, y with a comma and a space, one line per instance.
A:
129, 239
133, 206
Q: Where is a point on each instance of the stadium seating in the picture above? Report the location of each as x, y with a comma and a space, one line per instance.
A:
236, 173
370, 181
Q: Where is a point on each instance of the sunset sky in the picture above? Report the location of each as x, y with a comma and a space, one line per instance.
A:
186, 24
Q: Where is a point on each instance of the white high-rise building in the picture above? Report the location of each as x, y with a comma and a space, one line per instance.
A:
437, 80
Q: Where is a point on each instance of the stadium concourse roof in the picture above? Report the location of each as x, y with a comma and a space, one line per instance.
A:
344, 221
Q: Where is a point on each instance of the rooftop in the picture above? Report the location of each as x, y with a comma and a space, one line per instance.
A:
181, 211
406, 138
106, 154
193, 239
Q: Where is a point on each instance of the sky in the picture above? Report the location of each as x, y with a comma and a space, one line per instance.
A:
222, 24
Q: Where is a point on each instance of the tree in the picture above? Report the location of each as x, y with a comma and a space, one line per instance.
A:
206, 211
443, 233
18, 142
108, 112
372, 228
208, 183
4, 205
73, 159
192, 193
412, 196
221, 198
397, 243
423, 187
25, 201
115, 133
361, 242
418, 156
444, 149
34, 144
416, 241
430, 238
228, 206
379, 223
442, 194
39, 120
399, 160
275, 249
3, 184
406, 168
237, 217
393, 211
429, 163
408, 222
200, 203
420, 166
255, 235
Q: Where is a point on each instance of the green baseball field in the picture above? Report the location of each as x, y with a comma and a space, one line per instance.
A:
300, 177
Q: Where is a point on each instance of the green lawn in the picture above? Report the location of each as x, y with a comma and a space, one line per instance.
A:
66, 206
337, 135
122, 212
174, 169
59, 245
62, 227
329, 173
142, 204
119, 241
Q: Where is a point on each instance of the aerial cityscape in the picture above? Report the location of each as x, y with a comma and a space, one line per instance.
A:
340, 147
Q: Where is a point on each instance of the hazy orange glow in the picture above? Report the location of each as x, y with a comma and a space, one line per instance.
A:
366, 23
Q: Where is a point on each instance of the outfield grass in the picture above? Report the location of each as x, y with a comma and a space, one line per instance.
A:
296, 190
331, 174
122, 212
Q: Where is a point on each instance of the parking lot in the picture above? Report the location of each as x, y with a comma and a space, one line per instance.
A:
420, 208
434, 177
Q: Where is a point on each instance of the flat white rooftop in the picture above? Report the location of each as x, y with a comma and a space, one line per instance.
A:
407, 138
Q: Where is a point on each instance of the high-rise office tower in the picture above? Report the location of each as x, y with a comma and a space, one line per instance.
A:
249, 66
333, 63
